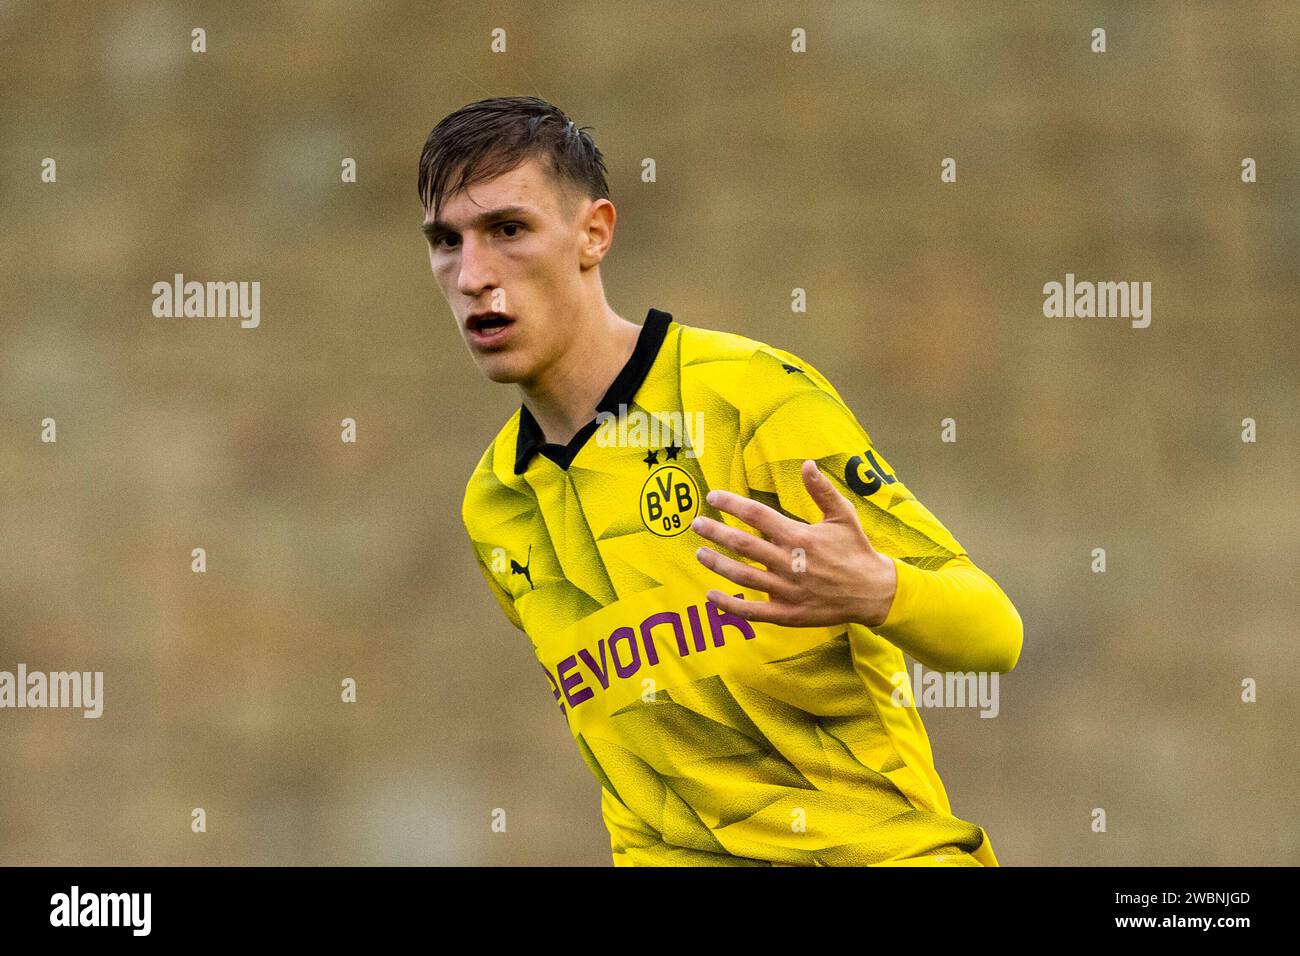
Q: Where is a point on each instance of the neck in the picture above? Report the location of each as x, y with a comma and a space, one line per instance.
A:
564, 399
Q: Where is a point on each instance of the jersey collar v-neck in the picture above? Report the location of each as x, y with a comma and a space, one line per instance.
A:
621, 392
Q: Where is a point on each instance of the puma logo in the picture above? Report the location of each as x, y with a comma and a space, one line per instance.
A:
517, 568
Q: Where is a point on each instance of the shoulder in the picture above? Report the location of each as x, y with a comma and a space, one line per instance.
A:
777, 376
756, 376
493, 482
699, 346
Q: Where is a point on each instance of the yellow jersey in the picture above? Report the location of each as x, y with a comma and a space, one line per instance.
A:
715, 740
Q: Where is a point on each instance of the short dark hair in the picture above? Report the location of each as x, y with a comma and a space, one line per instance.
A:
493, 136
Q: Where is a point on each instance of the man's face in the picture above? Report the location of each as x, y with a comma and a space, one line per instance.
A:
506, 254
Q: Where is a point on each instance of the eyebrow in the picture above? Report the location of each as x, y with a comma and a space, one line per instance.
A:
431, 229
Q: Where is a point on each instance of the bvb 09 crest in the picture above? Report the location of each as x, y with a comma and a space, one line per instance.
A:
670, 500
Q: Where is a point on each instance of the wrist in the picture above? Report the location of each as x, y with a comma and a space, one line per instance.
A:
874, 611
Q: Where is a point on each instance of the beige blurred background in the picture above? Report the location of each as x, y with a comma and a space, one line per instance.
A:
775, 171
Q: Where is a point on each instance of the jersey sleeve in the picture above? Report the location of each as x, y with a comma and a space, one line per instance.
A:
501, 595
958, 599
947, 613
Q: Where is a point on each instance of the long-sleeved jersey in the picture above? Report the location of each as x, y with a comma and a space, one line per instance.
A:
716, 740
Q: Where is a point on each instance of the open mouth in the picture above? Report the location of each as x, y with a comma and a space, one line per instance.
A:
489, 327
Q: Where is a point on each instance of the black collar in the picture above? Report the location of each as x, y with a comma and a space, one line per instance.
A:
624, 388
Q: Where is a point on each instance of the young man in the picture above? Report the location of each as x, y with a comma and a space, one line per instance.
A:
717, 570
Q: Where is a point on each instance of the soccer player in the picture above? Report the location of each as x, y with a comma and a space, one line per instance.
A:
718, 571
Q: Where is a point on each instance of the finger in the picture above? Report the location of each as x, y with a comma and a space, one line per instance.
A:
825, 495
766, 611
739, 572
755, 514
741, 542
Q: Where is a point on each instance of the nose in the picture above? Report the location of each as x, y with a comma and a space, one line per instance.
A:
476, 272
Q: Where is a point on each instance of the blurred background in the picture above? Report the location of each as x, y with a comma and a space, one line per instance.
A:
776, 170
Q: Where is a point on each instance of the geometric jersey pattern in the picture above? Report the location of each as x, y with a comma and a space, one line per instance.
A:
716, 741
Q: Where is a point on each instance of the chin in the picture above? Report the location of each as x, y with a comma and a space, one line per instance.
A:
500, 369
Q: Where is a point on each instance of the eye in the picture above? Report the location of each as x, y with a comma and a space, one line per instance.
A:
437, 240
511, 225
